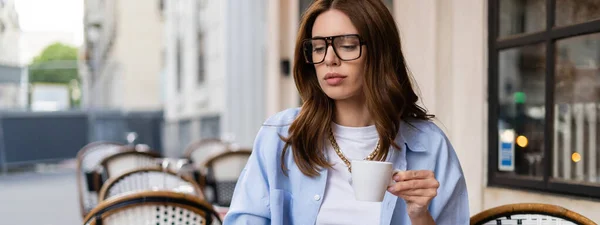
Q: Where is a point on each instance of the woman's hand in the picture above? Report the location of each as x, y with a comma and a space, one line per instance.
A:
417, 188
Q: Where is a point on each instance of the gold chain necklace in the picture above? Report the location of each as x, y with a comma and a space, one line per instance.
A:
341, 155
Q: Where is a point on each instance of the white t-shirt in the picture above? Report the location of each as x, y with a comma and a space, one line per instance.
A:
339, 205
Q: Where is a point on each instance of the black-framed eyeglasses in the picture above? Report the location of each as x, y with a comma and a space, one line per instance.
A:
346, 48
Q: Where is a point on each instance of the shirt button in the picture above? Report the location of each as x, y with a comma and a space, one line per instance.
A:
317, 197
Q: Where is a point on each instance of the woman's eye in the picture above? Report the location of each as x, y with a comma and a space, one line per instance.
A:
318, 49
349, 47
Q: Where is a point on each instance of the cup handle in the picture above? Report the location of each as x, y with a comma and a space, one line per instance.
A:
392, 181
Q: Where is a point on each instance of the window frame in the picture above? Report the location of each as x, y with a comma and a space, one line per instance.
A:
548, 36
179, 65
201, 68
200, 43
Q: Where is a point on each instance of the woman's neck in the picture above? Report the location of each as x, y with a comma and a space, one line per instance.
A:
352, 113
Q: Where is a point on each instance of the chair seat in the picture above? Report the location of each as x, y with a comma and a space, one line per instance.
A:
529, 213
154, 214
532, 219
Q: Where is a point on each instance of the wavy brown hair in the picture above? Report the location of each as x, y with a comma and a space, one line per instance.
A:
387, 85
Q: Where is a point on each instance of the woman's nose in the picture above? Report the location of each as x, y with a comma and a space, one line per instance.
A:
331, 59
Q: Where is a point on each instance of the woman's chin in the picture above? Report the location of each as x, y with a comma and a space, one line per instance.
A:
338, 95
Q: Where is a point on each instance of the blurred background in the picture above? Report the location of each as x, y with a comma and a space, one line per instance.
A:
515, 84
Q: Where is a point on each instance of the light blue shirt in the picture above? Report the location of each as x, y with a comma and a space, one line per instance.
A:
264, 195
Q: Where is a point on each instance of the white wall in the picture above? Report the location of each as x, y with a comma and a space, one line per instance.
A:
289, 29
283, 22
179, 19
9, 55
444, 45
130, 40
138, 51
170, 71
275, 34
208, 97
186, 20
419, 17
102, 90
245, 30
235, 52
195, 98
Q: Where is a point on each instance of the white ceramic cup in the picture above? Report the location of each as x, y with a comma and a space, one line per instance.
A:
370, 179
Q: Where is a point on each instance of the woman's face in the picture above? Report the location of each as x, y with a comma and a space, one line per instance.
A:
340, 75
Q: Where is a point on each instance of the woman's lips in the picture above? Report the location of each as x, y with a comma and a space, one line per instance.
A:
334, 79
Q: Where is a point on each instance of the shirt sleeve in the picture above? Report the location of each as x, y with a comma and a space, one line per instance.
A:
250, 202
451, 205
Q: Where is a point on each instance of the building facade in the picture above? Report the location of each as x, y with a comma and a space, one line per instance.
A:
9, 34
121, 55
13, 81
214, 70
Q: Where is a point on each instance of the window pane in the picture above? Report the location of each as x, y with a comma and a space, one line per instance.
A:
577, 109
185, 137
209, 127
521, 16
521, 101
576, 11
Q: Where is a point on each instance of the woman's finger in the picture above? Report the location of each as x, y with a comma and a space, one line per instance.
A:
414, 184
416, 199
413, 175
418, 192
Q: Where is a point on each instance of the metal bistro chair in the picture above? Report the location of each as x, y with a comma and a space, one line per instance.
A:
529, 213
88, 181
199, 151
123, 162
149, 179
155, 208
222, 172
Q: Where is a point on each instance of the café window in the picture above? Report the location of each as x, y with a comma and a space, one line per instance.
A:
544, 95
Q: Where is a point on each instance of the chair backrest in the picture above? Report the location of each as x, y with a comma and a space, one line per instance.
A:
153, 207
223, 171
179, 165
199, 151
123, 162
149, 179
88, 159
529, 213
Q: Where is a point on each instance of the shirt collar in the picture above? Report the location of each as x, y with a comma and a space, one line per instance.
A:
411, 135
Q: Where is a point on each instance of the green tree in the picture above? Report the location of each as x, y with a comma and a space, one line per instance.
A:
57, 64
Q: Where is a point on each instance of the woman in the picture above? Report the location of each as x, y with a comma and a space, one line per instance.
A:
358, 103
